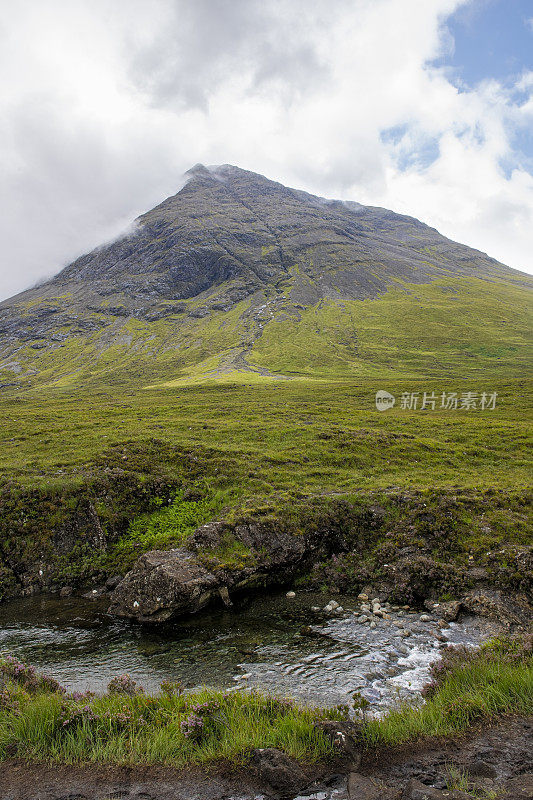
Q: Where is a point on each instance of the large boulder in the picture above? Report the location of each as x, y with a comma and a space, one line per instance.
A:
218, 558
163, 584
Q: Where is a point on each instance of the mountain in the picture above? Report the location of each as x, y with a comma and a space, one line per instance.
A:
237, 275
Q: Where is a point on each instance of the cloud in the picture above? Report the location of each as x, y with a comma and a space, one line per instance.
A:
107, 102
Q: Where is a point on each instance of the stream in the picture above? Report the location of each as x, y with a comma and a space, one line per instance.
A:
273, 643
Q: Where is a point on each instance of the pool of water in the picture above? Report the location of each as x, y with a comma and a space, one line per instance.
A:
272, 643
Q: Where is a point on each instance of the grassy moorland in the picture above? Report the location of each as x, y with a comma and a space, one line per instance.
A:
39, 721
150, 465
298, 436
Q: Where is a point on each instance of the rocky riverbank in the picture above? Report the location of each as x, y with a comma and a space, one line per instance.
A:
403, 546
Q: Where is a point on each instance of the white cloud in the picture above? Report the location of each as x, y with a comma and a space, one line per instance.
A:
106, 103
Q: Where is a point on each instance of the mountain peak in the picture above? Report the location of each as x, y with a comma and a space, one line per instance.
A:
237, 251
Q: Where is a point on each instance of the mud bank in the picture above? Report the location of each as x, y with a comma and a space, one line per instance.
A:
494, 761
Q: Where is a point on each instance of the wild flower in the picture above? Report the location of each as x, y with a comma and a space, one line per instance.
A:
171, 688
192, 727
124, 684
70, 717
26, 676
9, 702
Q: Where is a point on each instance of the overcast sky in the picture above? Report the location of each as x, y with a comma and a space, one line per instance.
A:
422, 106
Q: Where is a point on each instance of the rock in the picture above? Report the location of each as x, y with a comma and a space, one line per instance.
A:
481, 769
362, 788
281, 773
372, 624
448, 611
94, 594
333, 605
425, 618
316, 609
362, 596
163, 584
362, 619
521, 786
113, 582
65, 591
404, 633
344, 736
224, 596
508, 610
415, 790
290, 595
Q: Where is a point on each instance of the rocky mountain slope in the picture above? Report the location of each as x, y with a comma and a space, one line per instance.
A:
237, 274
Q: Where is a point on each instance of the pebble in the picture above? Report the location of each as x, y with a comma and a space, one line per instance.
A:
425, 618
372, 624
362, 596
290, 594
363, 618
405, 633
316, 609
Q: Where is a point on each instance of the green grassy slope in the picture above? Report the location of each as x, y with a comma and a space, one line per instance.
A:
449, 327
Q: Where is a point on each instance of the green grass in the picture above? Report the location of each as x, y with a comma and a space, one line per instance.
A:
303, 437
170, 728
445, 328
167, 527
207, 726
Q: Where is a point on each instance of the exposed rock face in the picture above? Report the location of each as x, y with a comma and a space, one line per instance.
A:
492, 603
415, 790
164, 583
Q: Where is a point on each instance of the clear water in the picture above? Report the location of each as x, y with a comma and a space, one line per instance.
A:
272, 643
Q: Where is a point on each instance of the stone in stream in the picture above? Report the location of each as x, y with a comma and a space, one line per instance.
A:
290, 595
449, 611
